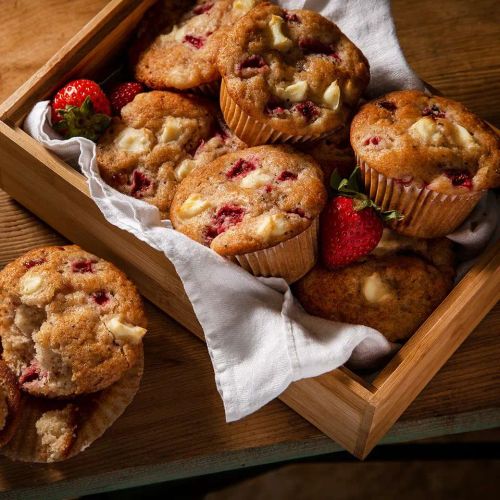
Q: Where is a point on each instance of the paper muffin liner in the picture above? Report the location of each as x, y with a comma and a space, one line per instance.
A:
427, 213
94, 414
252, 131
290, 259
210, 89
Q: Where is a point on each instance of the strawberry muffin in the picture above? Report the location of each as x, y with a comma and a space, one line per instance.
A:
159, 137
70, 323
258, 206
289, 76
428, 157
182, 56
10, 404
393, 293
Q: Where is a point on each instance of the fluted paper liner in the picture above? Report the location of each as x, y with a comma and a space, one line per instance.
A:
210, 89
252, 131
290, 259
427, 213
95, 413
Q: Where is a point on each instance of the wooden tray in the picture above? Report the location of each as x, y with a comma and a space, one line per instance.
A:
345, 407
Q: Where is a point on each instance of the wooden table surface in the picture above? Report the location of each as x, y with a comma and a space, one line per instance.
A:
175, 427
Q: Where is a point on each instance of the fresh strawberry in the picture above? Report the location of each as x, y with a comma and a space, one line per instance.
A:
81, 109
351, 224
346, 233
123, 93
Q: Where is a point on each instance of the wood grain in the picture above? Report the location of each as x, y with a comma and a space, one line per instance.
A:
187, 435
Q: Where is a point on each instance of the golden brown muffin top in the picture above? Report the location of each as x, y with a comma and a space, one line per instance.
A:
70, 323
182, 56
428, 140
10, 403
292, 69
393, 294
249, 200
158, 139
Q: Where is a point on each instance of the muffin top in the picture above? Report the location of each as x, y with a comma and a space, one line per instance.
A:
333, 153
292, 69
146, 151
70, 323
427, 140
393, 294
249, 200
182, 55
10, 403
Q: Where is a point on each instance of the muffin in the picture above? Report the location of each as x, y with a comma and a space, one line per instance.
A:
393, 294
159, 137
288, 76
10, 404
182, 56
70, 323
259, 206
333, 153
427, 157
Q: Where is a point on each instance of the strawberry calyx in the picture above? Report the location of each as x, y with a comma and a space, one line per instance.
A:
81, 121
349, 187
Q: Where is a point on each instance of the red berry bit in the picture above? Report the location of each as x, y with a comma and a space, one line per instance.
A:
123, 93
195, 41
460, 178
201, 9
286, 175
307, 109
240, 169
30, 373
140, 183
34, 262
82, 266
226, 217
375, 141
291, 18
313, 46
388, 105
433, 112
252, 63
274, 108
101, 297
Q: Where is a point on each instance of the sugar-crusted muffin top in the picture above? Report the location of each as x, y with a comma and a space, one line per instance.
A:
293, 69
393, 293
428, 140
158, 139
182, 55
70, 323
249, 200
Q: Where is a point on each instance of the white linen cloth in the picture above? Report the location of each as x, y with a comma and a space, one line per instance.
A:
259, 338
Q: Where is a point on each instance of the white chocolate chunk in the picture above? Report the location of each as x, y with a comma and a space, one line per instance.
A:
176, 35
184, 168
171, 130
278, 39
296, 92
272, 225
462, 137
426, 129
375, 290
331, 97
30, 284
256, 179
194, 205
134, 140
125, 333
243, 6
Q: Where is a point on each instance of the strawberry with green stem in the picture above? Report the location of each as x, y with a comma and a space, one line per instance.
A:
351, 224
81, 109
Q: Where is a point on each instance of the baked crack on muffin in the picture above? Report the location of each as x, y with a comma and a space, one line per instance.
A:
70, 323
182, 56
159, 138
288, 76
